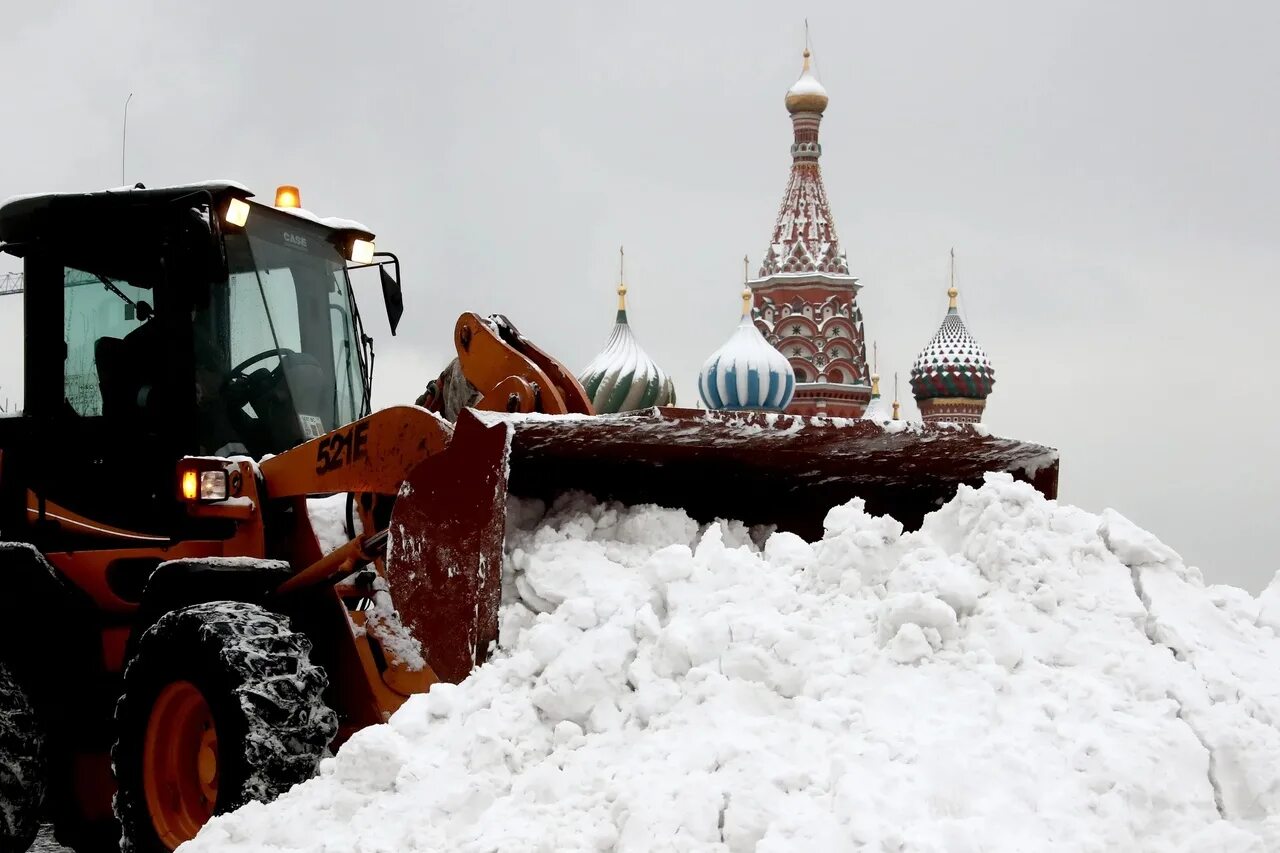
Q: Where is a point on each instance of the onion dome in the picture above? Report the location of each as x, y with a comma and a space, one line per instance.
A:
807, 94
623, 378
747, 372
878, 409
952, 377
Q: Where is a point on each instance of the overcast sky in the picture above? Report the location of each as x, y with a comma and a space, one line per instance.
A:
1106, 172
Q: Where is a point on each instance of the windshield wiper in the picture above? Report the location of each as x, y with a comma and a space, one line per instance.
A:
141, 310
109, 285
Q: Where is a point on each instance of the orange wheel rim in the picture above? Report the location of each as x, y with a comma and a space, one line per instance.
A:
180, 763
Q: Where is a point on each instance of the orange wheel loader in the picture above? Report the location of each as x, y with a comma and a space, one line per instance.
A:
220, 563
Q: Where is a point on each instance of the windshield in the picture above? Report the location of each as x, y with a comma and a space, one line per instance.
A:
277, 356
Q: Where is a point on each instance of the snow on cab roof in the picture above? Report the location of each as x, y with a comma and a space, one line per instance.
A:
337, 223
217, 185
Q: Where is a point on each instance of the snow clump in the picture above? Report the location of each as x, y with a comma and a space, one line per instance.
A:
1016, 675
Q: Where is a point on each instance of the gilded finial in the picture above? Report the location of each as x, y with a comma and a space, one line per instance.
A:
952, 293
896, 404
875, 369
622, 281
746, 301
807, 94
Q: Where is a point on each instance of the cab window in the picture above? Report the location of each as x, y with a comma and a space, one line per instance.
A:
111, 344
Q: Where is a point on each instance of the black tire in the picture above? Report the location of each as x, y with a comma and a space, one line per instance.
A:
22, 766
263, 693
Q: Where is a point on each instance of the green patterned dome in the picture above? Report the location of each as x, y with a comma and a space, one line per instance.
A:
623, 378
952, 365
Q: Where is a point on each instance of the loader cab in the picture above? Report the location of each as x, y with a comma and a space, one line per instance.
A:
162, 323
280, 355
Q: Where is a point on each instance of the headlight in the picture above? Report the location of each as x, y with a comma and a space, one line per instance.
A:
198, 483
237, 212
213, 485
361, 251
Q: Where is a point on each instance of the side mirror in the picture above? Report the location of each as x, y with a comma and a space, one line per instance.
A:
392, 296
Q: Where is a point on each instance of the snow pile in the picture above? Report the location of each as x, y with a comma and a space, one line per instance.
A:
1017, 675
328, 516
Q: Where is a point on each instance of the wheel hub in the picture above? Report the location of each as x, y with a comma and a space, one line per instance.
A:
180, 763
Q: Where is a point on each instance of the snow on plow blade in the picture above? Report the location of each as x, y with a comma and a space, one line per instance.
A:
445, 564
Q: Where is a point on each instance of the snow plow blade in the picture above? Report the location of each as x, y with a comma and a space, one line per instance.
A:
445, 566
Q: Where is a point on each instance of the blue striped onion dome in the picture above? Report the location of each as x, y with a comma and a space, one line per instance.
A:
747, 372
952, 364
623, 378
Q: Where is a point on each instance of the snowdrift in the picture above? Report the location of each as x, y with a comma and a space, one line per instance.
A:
1017, 675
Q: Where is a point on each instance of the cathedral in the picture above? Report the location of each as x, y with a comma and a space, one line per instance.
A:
800, 345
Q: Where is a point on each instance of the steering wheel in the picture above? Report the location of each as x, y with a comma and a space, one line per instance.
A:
240, 387
279, 352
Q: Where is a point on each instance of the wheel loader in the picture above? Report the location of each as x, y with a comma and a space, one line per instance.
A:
220, 563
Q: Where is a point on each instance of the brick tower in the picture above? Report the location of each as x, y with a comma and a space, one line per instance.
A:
806, 302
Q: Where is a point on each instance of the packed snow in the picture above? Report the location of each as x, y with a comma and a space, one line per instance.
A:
328, 516
1016, 675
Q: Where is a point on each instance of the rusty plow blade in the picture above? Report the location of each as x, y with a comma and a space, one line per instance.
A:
787, 470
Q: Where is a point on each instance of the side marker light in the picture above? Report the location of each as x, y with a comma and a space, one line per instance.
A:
190, 485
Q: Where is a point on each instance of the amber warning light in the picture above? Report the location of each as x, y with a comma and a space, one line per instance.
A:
190, 484
288, 196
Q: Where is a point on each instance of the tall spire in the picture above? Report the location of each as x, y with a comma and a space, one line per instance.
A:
804, 239
805, 298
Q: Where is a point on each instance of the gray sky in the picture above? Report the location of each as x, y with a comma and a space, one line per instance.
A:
1105, 171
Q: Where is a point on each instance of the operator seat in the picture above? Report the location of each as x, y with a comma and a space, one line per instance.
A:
128, 369
110, 356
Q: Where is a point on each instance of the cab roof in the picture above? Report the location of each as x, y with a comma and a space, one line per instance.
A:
27, 217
